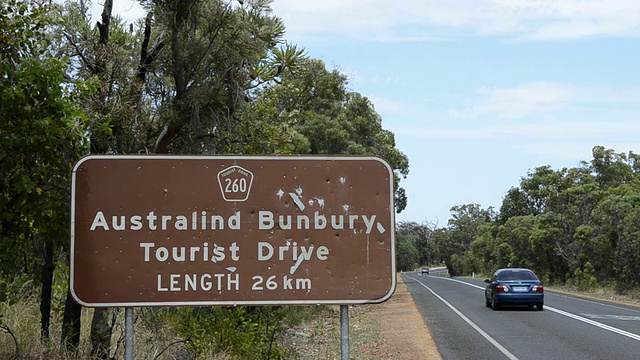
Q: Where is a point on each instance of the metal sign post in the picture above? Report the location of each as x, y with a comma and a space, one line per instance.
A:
344, 332
128, 333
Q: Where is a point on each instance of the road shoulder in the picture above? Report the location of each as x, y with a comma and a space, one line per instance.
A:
404, 328
393, 329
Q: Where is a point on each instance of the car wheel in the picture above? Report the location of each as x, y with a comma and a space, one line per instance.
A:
540, 306
487, 302
494, 304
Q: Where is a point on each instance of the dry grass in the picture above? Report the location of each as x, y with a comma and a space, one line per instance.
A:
391, 330
630, 298
22, 321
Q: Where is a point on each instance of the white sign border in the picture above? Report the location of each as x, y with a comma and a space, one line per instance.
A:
236, 158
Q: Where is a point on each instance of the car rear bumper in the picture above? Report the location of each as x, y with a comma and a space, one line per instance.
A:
515, 298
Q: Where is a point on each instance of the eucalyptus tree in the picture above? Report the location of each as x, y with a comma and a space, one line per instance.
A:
406, 253
464, 225
422, 236
318, 115
516, 202
41, 136
174, 82
610, 241
581, 216
198, 77
465, 221
486, 252
177, 80
611, 169
513, 245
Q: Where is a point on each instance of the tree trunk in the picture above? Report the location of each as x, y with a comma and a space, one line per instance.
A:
101, 338
100, 334
45, 298
71, 323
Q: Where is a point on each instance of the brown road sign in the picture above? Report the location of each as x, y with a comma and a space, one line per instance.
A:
222, 230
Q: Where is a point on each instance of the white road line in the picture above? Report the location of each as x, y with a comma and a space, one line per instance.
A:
595, 323
472, 324
612, 317
595, 302
561, 312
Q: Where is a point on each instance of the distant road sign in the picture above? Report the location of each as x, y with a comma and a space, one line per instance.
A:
231, 230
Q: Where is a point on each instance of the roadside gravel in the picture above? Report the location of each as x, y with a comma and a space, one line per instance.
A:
391, 330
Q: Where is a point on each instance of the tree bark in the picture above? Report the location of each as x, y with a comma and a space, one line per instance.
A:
100, 334
147, 57
71, 323
166, 137
173, 126
103, 26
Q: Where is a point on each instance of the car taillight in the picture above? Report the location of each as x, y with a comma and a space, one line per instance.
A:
502, 288
537, 288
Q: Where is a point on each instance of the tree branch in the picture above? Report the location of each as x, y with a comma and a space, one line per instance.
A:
146, 57
106, 20
15, 341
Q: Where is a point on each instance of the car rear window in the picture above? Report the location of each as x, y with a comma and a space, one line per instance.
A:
517, 275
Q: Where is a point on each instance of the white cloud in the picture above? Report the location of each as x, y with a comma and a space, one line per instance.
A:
562, 151
542, 130
357, 77
540, 98
423, 20
388, 20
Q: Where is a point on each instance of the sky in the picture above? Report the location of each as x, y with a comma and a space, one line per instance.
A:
479, 92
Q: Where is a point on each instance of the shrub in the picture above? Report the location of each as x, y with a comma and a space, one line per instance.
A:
245, 332
584, 279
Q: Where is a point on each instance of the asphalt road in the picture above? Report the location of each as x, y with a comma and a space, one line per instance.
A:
568, 328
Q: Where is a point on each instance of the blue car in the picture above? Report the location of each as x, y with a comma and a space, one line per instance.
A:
514, 286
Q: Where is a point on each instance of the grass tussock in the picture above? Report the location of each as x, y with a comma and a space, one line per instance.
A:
159, 333
629, 296
20, 336
155, 338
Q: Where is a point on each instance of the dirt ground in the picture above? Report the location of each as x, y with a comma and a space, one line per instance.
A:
403, 328
391, 330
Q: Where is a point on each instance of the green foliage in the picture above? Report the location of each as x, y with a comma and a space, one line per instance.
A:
583, 279
516, 203
41, 136
245, 332
481, 248
406, 253
59, 287
422, 238
22, 25
311, 112
215, 77
15, 290
579, 226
